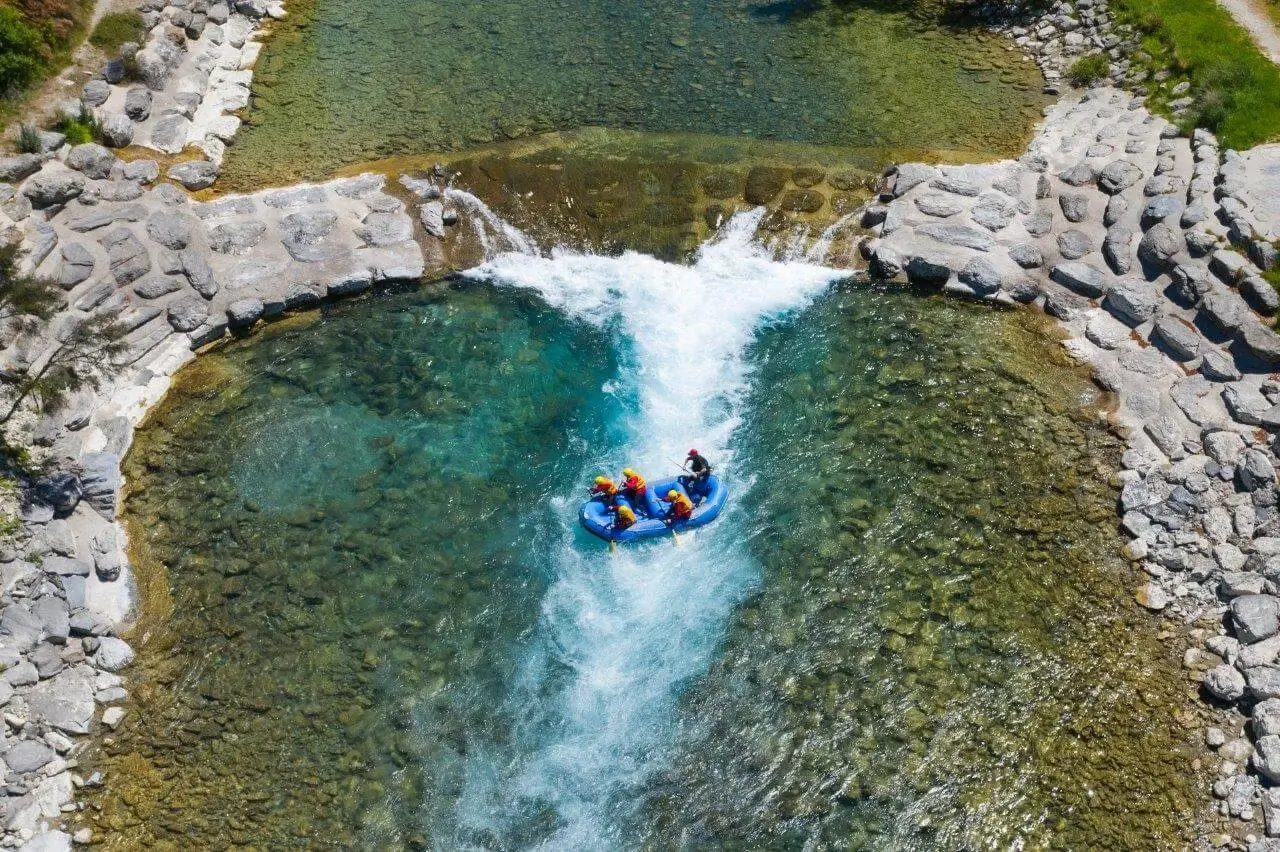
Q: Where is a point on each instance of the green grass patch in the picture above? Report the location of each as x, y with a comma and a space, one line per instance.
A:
1236, 88
1087, 69
117, 28
37, 38
81, 128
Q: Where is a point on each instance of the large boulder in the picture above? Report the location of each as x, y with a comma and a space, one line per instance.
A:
981, 276
1254, 617
1223, 308
957, 235
910, 175
187, 314
1261, 341
196, 174
15, 169
117, 130
1160, 245
385, 229
100, 479
1175, 337
54, 185
59, 491
237, 237
92, 159
1132, 300
129, 258
1118, 176
1224, 683
1081, 277
169, 230
77, 265
244, 312
137, 103
65, 701
1116, 249
1255, 470
1074, 244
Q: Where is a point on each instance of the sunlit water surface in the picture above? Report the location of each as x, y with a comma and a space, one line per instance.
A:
908, 630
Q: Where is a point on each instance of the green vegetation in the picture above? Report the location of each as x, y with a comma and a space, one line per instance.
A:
1087, 69
81, 128
115, 29
1236, 89
36, 40
28, 139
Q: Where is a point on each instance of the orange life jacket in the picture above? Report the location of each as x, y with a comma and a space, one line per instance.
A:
635, 484
625, 518
606, 489
681, 507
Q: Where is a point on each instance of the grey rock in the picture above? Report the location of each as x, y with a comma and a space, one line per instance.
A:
137, 103
77, 265
1262, 342
100, 478
1164, 185
1079, 175
1074, 244
218, 13
1023, 290
908, 176
1266, 759
1245, 404
1223, 308
61, 491
1219, 367
1081, 277
981, 276
1159, 209
196, 174
128, 258
113, 654
119, 190
1266, 718
1117, 207
1132, 300
53, 841
1228, 265
95, 93
169, 133
1159, 246
142, 171
1194, 214
1259, 293
932, 204
994, 213
1039, 223
65, 701
1176, 338
187, 314
384, 229
106, 214
244, 312
47, 658
1119, 176
956, 186
1116, 249
1191, 282
237, 237
92, 159
152, 68
1224, 683
1075, 206
1026, 255
199, 273
114, 71
55, 185
169, 230
1263, 254
1255, 471
157, 286
19, 168
927, 270
432, 213
1199, 243
117, 130
28, 756
1254, 618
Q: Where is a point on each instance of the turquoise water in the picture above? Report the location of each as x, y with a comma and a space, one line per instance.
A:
343, 83
909, 629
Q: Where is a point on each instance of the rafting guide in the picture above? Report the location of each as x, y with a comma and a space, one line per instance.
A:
637, 509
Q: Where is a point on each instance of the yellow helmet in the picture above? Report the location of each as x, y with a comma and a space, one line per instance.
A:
602, 480
672, 494
626, 471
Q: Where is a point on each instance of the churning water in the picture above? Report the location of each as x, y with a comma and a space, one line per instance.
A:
621, 635
908, 630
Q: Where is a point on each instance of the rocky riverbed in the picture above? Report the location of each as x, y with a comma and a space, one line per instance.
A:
1148, 246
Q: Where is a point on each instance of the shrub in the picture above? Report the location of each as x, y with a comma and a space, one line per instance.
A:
22, 51
28, 139
81, 128
1087, 69
115, 29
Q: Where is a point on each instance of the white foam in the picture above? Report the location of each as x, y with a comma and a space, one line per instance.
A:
620, 636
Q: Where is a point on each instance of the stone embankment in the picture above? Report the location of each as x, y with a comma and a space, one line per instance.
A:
179, 274
1150, 249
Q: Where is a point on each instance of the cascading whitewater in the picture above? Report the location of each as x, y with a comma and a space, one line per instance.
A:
593, 706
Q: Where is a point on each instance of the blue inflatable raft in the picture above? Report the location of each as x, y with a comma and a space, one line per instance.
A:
598, 519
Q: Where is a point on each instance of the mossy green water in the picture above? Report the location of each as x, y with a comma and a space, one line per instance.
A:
352, 517
343, 83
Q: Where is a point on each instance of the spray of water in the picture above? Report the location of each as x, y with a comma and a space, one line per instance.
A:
593, 707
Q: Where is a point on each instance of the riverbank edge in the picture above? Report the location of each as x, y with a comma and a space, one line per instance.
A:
97, 431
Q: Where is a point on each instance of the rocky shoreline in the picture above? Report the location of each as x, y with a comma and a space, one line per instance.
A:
1148, 247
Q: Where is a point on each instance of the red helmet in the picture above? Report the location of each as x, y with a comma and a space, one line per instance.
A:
693, 453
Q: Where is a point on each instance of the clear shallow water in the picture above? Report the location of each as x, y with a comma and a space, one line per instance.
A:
908, 630
343, 83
